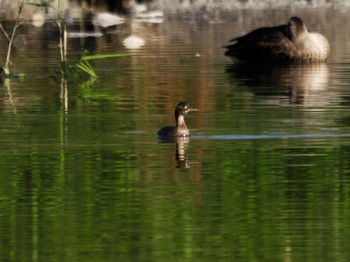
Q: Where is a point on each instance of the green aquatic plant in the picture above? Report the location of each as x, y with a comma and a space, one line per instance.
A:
82, 68
5, 69
90, 94
84, 65
71, 72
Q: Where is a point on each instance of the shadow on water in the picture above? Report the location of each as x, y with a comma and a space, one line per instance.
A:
298, 83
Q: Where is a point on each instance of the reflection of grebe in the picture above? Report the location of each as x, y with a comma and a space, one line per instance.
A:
291, 43
180, 129
180, 155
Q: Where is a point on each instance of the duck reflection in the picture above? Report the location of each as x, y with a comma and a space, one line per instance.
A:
180, 142
300, 83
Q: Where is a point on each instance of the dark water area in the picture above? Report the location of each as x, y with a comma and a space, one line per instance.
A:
265, 175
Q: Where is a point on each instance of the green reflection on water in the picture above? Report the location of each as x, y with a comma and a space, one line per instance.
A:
253, 200
83, 177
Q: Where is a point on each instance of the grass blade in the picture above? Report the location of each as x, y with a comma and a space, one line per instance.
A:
102, 56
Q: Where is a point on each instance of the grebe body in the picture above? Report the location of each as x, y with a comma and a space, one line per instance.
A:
180, 129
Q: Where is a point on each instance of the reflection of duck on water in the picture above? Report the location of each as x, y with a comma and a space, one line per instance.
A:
180, 130
290, 43
301, 83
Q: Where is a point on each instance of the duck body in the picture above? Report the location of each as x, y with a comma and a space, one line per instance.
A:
180, 129
290, 43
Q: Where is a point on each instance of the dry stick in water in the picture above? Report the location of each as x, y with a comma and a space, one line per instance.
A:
10, 39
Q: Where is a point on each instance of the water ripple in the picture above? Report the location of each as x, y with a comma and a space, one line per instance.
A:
269, 136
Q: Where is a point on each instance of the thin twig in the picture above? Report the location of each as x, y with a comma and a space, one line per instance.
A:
3, 30
65, 42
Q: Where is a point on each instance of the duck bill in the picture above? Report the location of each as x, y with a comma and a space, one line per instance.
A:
192, 109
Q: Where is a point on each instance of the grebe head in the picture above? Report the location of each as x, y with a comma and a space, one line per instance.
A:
296, 29
182, 109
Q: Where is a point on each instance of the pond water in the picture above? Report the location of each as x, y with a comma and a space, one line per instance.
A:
264, 177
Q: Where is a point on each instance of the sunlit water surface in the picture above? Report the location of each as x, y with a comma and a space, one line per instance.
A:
264, 177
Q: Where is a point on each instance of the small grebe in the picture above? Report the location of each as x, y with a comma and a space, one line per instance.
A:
290, 43
180, 129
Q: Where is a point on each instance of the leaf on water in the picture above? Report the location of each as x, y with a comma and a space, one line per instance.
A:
101, 56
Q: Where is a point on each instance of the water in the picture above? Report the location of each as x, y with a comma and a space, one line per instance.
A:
265, 176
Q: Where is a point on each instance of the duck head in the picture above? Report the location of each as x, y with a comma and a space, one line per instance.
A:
296, 29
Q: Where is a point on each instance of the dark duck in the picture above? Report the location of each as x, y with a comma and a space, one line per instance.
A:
180, 130
290, 43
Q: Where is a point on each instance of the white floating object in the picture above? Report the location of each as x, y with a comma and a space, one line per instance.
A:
150, 14
38, 19
106, 19
133, 42
138, 8
84, 34
154, 20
